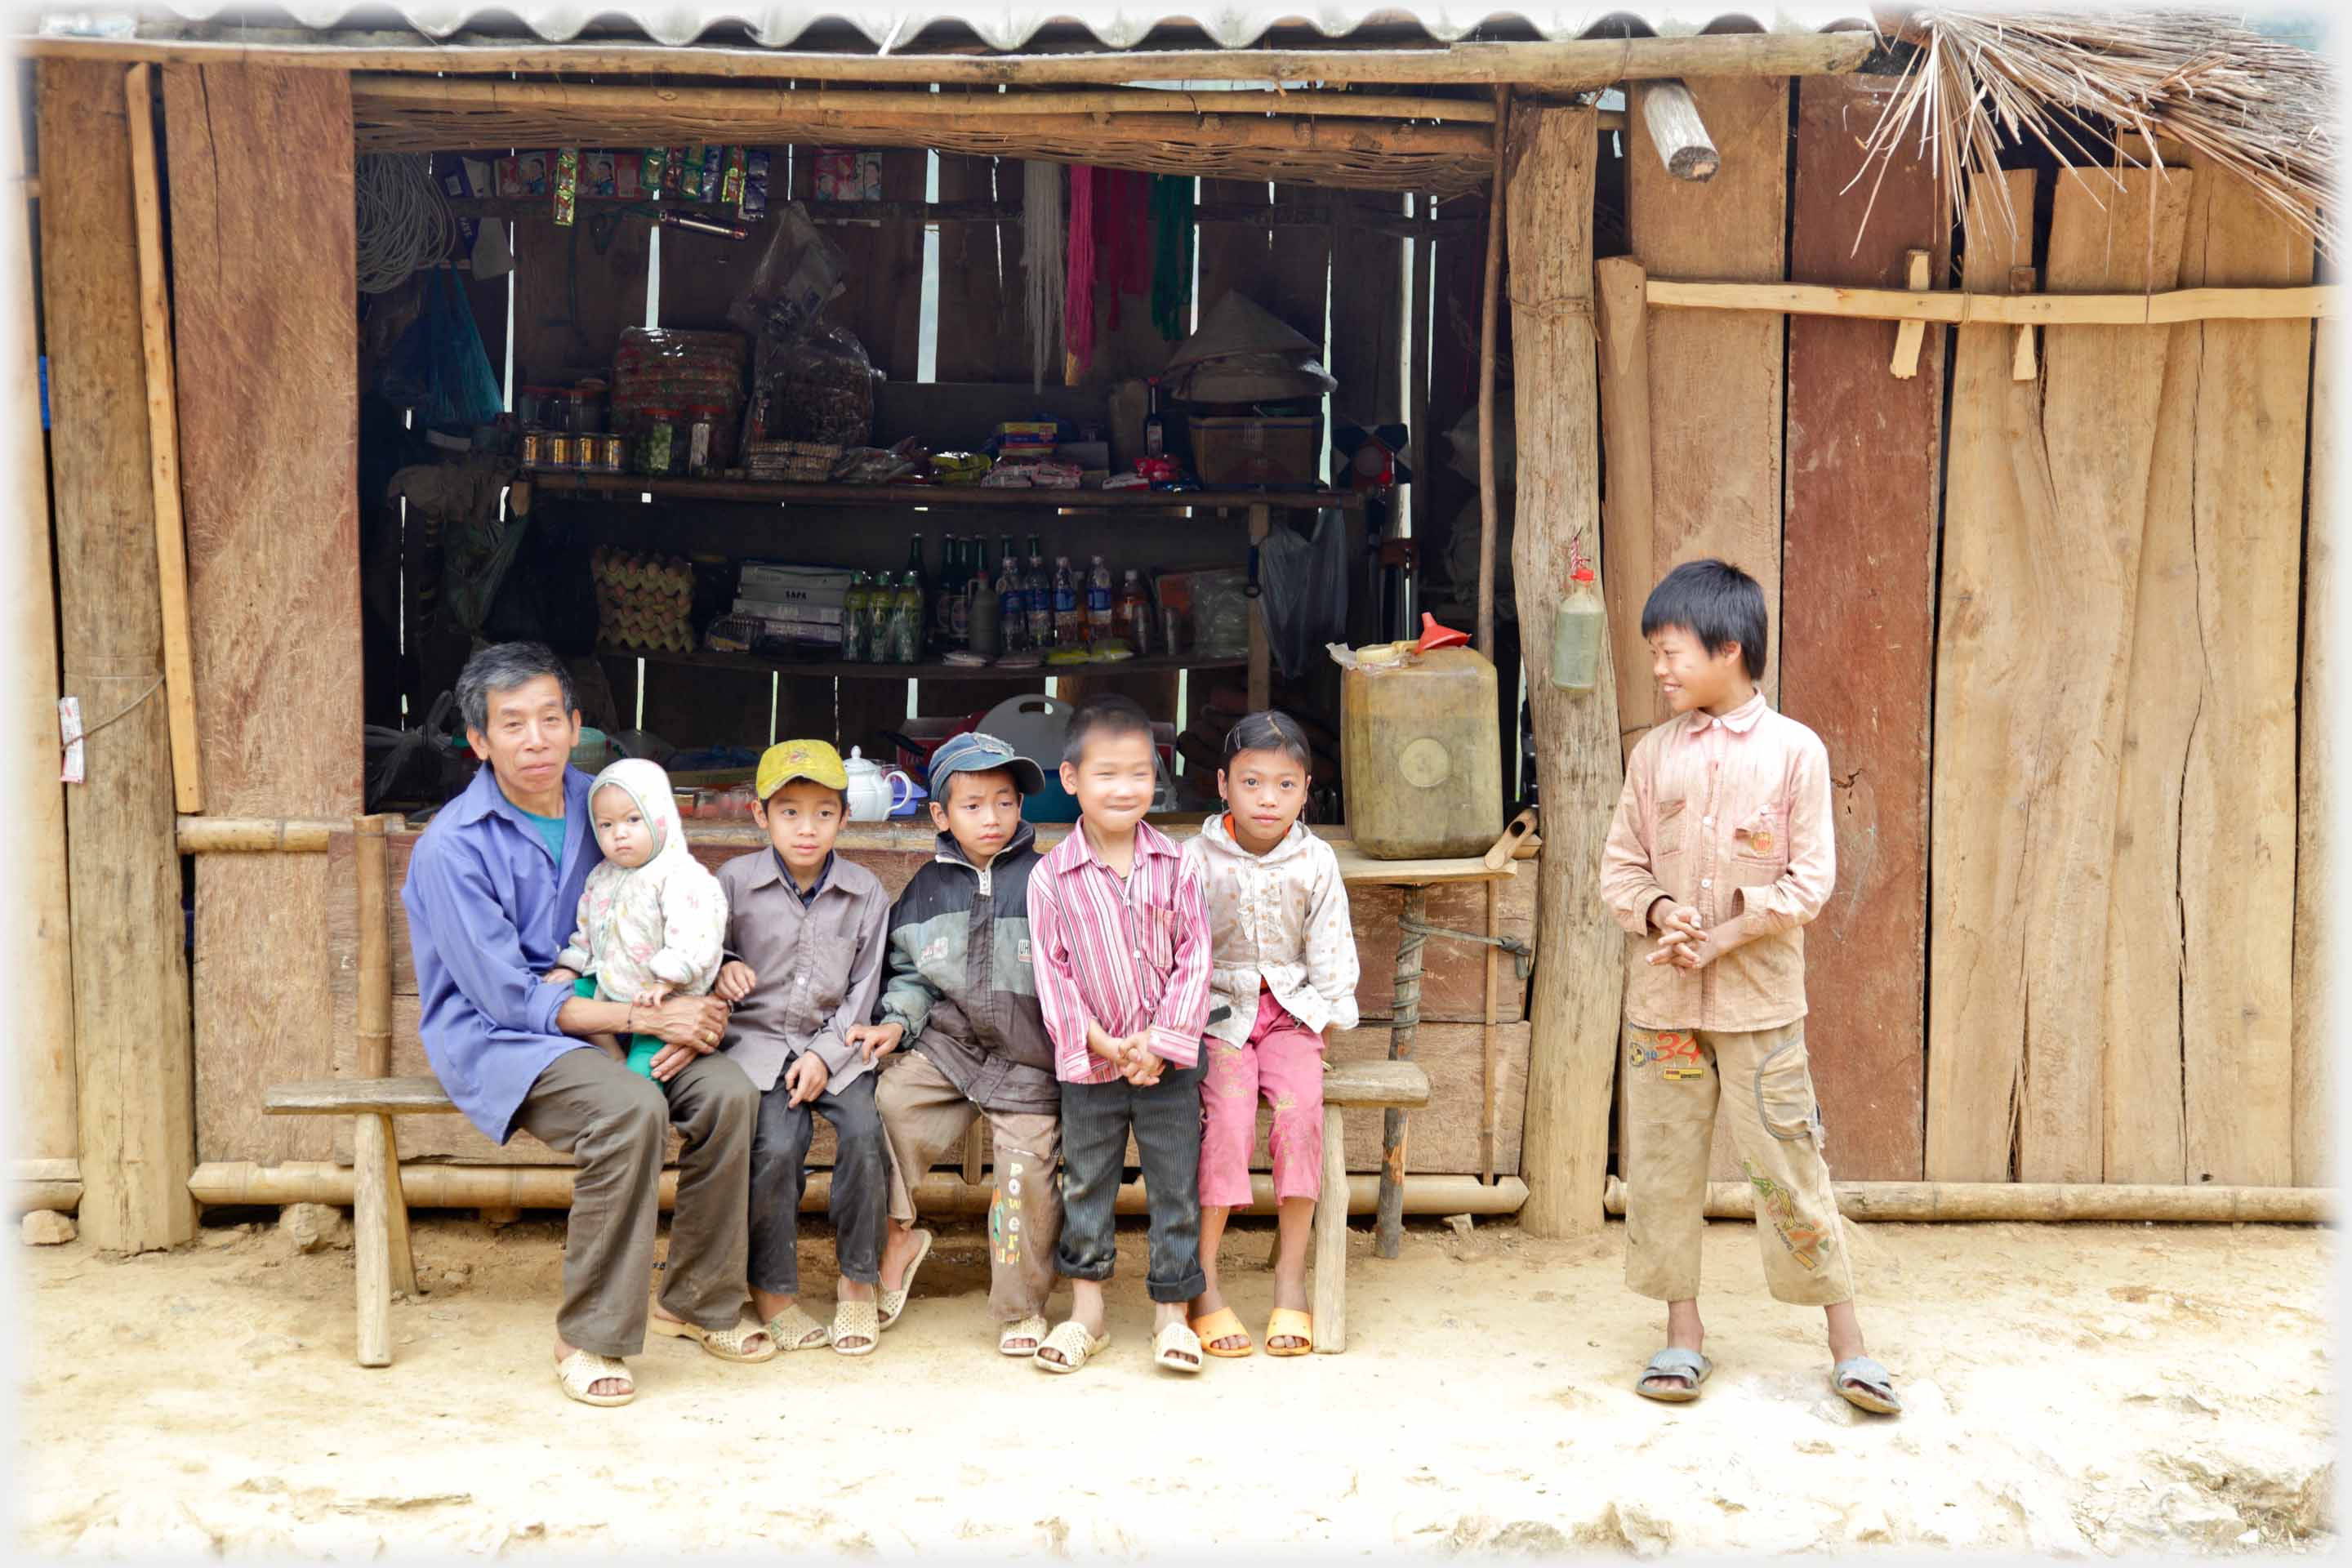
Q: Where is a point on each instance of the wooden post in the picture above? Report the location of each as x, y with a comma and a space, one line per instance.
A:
1491, 1065
1404, 1026
1424, 483
975, 1155
1627, 546
1550, 155
1261, 652
37, 931
1671, 116
1489, 308
131, 1040
1331, 1241
371, 1235
2314, 924
374, 1043
163, 440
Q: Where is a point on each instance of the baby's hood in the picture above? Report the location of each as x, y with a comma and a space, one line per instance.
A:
646, 783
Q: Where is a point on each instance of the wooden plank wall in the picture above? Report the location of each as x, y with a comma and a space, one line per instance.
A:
265, 361
1857, 626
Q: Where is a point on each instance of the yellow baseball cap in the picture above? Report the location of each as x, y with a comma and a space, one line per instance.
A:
789, 760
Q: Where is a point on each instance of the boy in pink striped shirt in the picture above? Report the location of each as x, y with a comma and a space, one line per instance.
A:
1119, 927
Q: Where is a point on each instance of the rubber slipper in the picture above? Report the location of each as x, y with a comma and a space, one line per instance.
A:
1031, 1328
726, 1344
1225, 1323
894, 1303
1289, 1322
1073, 1343
1674, 1362
1172, 1344
1866, 1385
856, 1320
583, 1370
794, 1330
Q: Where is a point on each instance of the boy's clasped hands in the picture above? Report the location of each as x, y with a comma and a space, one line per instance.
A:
1131, 1054
1683, 940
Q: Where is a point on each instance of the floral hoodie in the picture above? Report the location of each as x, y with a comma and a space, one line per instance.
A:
1279, 919
662, 923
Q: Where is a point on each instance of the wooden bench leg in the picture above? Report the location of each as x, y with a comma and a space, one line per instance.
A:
975, 1153
372, 1241
1331, 1242
395, 1214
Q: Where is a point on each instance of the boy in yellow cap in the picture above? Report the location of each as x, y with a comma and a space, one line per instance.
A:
805, 942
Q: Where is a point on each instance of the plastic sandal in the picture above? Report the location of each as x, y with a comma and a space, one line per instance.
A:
1289, 1322
726, 1344
894, 1303
1225, 1323
1674, 1362
1866, 1385
1073, 1344
1031, 1328
583, 1370
856, 1320
1171, 1344
794, 1329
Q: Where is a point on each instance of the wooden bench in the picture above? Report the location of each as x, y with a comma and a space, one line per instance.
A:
1350, 1086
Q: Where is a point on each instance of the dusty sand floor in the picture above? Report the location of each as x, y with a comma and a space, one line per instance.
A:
2092, 1389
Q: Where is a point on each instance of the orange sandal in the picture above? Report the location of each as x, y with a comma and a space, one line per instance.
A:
1289, 1322
1223, 1323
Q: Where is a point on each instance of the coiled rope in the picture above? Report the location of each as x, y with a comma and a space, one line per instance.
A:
404, 219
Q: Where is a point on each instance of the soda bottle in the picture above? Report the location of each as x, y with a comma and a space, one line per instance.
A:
854, 604
1069, 610
1098, 604
1135, 614
1011, 602
1037, 593
907, 646
940, 609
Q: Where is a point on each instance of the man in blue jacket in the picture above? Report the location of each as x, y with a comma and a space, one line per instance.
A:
492, 889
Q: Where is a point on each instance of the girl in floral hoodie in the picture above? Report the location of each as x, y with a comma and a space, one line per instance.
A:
1284, 957
653, 919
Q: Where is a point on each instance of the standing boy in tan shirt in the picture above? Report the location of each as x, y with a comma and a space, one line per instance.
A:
1721, 850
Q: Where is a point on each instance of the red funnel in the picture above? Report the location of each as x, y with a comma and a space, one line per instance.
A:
1434, 635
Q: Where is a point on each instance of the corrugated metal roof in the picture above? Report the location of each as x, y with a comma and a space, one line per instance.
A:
1010, 24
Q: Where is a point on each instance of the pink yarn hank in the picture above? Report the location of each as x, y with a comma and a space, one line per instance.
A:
1078, 292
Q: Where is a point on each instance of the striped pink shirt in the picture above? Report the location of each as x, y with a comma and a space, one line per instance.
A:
1125, 954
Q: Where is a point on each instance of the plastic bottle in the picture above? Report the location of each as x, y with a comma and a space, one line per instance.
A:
907, 642
1576, 629
855, 606
1098, 604
1037, 591
1011, 602
1135, 614
1069, 610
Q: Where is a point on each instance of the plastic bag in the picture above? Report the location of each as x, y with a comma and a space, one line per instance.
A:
1221, 613
1304, 581
798, 276
819, 387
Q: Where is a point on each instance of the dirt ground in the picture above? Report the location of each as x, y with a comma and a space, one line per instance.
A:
2084, 1389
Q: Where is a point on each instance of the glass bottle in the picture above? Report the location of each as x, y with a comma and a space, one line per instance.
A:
1135, 613
854, 604
1575, 629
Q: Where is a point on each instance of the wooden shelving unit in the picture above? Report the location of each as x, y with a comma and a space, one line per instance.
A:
572, 481
757, 665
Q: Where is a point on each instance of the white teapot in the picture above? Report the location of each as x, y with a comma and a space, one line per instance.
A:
874, 792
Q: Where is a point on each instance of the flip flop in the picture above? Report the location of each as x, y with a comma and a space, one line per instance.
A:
1073, 1344
583, 1370
1031, 1328
794, 1330
1674, 1362
856, 1320
726, 1344
1170, 1346
1289, 1322
1225, 1323
894, 1303
1866, 1385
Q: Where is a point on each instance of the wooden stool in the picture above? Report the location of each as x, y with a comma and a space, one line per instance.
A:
1350, 1086
379, 1209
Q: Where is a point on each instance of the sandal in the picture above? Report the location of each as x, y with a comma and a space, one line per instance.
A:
1172, 1343
1670, 1362
1225, 1323
894, 1303
1073, 1344
1866, 1385
583, 1370
1289, 1322
1031, 1328
726, 1344
856, 1320
794, 1329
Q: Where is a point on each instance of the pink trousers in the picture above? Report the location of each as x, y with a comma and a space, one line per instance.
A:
1283, 1064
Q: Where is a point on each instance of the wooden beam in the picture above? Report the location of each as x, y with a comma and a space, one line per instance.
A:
1489, 306
163, 441
855, 104
1581, 63
1550, 165
1628, 547
131, 1041
2036, 1202
1910, 335
1671, 117
249, 836
2159, 308
2316, 789
35, 925
2023, 364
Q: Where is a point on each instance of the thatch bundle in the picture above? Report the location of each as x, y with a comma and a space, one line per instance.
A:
2259, 108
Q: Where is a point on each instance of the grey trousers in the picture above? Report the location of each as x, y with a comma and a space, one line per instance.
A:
615, 1125
779, 1167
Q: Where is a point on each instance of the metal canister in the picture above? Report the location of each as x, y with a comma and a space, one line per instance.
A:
535, 450
560, 449
613, 453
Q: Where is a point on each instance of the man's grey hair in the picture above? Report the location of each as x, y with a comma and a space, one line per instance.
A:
502, 667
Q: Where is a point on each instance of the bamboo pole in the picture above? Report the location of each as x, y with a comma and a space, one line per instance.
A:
164, 443
226, 1182
35, 927
2324, 301
1490, 1042
1489, 308
1404, 1029
1571, 64
2034, 1202
252, 836
374, 1045
1671, 116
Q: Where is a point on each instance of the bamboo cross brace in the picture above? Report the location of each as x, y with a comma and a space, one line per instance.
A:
2315, 302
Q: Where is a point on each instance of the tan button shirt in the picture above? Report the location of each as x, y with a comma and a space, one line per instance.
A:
1730, 816
819, 969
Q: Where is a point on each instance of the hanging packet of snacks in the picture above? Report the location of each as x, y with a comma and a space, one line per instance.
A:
653, 171
689, 171
567, 184
755, 184
731, 186
714, 166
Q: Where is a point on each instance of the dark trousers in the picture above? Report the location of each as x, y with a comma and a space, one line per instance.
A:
861, 1184
1166, 1122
